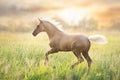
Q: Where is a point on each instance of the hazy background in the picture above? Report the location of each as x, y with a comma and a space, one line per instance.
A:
22, 54
21, 16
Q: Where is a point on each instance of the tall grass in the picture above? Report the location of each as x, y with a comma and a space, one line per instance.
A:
22, 57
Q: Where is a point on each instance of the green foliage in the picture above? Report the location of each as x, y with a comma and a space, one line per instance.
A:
22, 58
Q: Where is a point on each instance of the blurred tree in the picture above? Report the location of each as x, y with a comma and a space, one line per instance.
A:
88, 24
115, 24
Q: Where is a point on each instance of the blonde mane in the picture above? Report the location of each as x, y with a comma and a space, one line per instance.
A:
55, 23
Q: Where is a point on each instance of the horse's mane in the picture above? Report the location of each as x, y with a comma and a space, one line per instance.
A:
55, 23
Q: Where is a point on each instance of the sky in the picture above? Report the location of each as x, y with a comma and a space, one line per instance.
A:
102, 10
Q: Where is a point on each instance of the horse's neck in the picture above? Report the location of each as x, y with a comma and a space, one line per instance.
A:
51, 30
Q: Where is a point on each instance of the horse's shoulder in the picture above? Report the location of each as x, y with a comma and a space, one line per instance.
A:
54, 42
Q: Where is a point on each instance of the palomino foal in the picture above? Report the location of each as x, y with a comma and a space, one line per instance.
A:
61, 41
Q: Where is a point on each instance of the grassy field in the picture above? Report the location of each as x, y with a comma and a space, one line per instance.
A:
22, 57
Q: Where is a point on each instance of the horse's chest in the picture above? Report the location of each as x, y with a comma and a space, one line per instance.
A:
54, 44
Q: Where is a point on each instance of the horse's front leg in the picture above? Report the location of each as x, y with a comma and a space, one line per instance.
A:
49, 52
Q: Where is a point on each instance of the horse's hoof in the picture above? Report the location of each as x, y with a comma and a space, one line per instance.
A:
44, 63
53, 67
72, 67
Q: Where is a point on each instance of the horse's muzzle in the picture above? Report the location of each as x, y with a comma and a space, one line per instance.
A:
33, 34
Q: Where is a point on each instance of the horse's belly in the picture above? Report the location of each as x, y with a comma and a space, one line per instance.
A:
65, 46
65, 49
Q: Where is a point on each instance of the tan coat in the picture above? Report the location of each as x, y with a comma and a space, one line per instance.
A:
61, 41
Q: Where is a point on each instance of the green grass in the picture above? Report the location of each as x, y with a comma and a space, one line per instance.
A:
22, 57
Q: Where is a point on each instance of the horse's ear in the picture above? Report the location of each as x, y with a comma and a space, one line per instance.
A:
39, 20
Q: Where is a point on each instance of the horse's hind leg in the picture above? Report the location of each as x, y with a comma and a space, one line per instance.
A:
79, 57
87, 57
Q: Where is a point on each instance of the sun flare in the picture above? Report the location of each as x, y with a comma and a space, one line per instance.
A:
73, 15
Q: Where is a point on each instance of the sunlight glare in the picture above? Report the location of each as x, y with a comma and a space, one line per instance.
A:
73, 16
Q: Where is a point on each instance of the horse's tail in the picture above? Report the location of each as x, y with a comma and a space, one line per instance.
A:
98, 39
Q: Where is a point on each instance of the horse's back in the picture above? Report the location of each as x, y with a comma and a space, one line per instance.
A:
68, 42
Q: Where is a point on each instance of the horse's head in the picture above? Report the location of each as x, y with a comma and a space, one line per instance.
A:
39, 28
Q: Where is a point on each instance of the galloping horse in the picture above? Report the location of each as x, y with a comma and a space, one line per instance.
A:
61, 41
